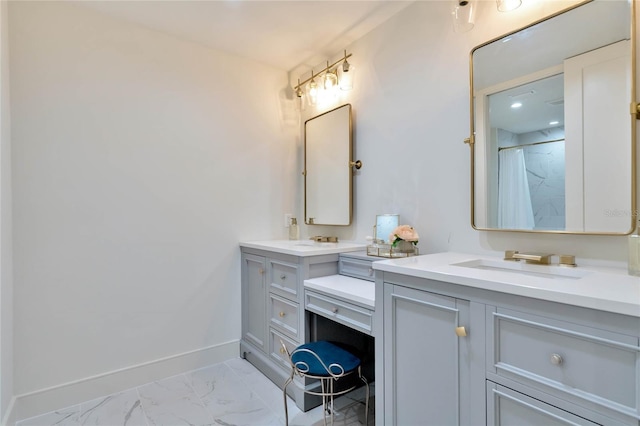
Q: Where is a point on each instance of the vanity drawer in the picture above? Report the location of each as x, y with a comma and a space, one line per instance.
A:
585, 364
356, 268
507, 407
283, 278
276, 351
340, 311
284, 315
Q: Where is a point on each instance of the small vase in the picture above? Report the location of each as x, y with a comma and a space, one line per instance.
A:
403, 246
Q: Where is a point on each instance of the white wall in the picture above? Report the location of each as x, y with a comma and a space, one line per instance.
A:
411, 112
139, 163
6, 248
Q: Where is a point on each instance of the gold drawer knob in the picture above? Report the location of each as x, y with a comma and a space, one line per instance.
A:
556, 359
261, 271
281, 314
282, 350
461, 332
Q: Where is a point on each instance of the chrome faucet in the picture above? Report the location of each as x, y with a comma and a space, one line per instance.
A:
539, 258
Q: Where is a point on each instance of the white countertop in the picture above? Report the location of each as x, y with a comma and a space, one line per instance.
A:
355, 290
611, 290
303, 247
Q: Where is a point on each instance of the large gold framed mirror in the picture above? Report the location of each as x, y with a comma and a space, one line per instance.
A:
328, 183
552, 132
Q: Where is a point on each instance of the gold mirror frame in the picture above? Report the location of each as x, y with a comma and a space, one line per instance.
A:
634, 111
324, 169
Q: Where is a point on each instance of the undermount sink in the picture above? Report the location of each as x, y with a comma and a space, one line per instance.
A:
522, 268
312, 243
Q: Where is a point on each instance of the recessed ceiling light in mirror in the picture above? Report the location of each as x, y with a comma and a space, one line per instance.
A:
516, 105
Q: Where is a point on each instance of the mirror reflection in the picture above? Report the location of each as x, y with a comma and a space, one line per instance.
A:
385, 224
552, 130
328, 173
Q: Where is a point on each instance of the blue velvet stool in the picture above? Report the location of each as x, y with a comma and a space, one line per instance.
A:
326, 362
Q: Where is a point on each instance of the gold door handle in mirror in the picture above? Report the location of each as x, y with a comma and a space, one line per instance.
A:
461, 332
357, 164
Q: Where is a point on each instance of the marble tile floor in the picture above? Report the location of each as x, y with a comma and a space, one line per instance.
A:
230, 393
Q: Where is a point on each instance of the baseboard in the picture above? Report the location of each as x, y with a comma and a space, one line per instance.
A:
9, 416
46, 400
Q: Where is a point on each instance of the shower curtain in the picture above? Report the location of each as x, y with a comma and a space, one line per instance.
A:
514, 199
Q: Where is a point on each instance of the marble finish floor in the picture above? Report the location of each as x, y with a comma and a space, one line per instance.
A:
230, 393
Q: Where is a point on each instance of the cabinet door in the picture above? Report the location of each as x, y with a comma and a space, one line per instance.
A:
254, 300
425, 361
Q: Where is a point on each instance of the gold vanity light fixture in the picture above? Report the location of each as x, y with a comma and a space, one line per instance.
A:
508, 5
340, 76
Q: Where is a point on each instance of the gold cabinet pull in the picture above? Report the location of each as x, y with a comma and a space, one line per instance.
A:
261, 271
282, 350
281, 314
461, 332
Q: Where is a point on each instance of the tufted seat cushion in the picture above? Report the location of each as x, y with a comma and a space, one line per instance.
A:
328, 353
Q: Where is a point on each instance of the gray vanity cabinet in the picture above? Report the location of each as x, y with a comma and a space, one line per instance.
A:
427, 366
273, 306
518, 361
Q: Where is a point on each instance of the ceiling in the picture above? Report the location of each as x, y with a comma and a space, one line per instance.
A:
284, 34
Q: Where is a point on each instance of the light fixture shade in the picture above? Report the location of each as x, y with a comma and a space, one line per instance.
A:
330, 80
302, 103
463, 13
508, 5
312, 92
346, 74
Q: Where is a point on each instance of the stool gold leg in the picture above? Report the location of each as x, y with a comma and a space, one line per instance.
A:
366, 401
325, 406
286, 408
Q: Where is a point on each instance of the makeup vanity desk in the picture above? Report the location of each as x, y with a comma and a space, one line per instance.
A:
302, 291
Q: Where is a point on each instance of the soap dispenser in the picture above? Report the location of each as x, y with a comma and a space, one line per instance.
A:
294, 231
634, 252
